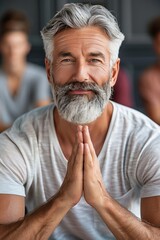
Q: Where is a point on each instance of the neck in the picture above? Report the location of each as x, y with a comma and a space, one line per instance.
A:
15, 70
98, 129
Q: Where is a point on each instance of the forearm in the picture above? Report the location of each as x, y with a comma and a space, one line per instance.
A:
39, 224
124, 225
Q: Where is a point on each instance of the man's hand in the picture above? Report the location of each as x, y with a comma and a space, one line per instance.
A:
94, 189
83, 173
72, 187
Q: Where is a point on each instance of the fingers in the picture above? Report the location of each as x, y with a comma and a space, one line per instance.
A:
89, 152
87, 139
88, 160
90, 157
76, 159
78, 140
79, 134
78, 163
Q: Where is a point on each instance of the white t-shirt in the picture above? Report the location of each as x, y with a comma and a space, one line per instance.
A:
32, 164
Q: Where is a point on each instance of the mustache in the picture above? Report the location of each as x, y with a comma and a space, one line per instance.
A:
79, 86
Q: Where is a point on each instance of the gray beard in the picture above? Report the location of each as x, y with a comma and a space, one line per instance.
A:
80, 109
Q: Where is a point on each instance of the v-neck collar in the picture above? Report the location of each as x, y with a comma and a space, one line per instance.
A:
105, 141
13, 99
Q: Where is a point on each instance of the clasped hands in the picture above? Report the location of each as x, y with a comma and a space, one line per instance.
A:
83, 176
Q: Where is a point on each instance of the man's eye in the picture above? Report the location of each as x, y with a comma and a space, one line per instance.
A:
95, 60
67, 60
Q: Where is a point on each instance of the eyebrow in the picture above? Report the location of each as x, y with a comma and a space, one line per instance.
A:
91, 54
65, 54
97, 54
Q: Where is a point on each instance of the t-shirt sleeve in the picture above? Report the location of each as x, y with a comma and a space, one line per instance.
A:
13, 171
148, 171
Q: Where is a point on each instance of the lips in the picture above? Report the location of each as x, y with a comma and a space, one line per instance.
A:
80, 92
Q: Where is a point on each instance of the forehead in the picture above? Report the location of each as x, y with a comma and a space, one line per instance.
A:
87, 37
14, 36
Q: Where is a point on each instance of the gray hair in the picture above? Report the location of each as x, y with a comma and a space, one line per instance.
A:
80, 15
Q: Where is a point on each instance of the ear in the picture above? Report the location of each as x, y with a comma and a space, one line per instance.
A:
114, 72
47, 66
27, 46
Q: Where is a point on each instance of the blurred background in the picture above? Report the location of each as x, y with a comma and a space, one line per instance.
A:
133, 16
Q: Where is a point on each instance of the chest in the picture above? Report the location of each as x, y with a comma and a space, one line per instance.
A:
14, 85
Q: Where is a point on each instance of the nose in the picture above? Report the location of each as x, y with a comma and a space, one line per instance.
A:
81, 72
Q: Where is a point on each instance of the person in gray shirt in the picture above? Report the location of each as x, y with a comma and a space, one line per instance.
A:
23, 86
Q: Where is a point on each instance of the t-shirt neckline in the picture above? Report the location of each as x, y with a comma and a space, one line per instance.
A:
56, 141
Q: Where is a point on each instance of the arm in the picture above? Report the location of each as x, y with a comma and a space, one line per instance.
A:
150, 208
38, 225
122, 223
150, 94
126, 226
42, 222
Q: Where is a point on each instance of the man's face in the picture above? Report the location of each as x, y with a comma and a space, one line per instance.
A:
81, 75
14, 48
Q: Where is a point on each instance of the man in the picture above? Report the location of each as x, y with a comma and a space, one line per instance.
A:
149, 83
23, 85
83, 165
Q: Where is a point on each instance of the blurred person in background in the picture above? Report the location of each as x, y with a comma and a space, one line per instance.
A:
149, 82
23, 86
122, 91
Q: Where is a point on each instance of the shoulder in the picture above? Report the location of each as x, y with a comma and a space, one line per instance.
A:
136, 133
35, 69
28, 131
2, 75
33, 122
133, 119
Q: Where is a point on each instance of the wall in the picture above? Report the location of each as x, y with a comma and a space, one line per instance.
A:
133, 15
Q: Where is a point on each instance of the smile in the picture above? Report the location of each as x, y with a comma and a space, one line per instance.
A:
80, 92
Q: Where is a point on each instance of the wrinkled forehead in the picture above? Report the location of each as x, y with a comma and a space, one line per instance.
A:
84, 37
